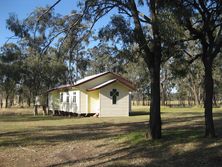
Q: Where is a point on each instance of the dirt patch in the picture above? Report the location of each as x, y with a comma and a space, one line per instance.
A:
77, 145
108, 142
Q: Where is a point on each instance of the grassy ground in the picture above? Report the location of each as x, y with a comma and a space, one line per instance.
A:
26, 140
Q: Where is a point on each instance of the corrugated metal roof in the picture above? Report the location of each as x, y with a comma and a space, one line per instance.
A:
102, 85
91, 77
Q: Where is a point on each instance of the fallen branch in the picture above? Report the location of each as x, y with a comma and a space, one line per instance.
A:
23, 148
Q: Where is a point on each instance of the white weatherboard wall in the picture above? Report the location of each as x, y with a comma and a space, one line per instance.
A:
83, 102
54, 102
121, 108
70, 106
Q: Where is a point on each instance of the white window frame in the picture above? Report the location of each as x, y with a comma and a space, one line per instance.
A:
67, 97
61, 97
74, 100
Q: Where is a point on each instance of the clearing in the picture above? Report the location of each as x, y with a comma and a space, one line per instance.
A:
47, 141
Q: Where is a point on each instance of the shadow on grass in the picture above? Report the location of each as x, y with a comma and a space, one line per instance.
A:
137, 113
181, 145
28, 118
166, 152
48, 135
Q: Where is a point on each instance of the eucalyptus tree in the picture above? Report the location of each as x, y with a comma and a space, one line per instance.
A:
189, 79
53, 70
100, 59
194, 81
217, 80
138, 73
104, 57
72, 45
166, 82
35, 35
32, 37
202, 20
10, 62
151, 31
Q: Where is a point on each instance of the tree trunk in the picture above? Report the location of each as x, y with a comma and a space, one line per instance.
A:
1, 103
144, 100
188, 99
11, 102
200, 96
208, 101
215, 101
163, 98
44, 110
152, 59
155, 119
35, 110
196, 98
19, 100
29, 98
6, 101
197, 101
154, 67
29, 101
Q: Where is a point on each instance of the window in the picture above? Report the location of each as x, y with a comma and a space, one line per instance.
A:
67, 97
74, 97
61, 97
114, 93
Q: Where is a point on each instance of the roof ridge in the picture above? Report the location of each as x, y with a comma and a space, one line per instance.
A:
92, 77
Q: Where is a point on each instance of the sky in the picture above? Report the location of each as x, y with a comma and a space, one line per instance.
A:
24, 7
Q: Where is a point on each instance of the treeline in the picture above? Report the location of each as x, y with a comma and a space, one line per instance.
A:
170, 51
25, 76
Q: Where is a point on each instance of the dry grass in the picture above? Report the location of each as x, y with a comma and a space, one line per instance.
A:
16, 111
26, 140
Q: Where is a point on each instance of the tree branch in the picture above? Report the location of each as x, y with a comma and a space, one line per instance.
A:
147, 19
50, 8
193, 58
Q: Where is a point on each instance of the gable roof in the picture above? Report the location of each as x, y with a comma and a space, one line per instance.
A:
102, 85
92, 77
89, 78
110, 82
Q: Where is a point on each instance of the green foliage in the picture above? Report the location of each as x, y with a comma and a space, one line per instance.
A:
53, 49
118, 31
40, 67
10, 71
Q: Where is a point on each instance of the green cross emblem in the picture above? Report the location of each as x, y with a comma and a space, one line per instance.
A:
114, 93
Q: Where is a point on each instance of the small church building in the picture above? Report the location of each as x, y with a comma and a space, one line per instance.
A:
105, 95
